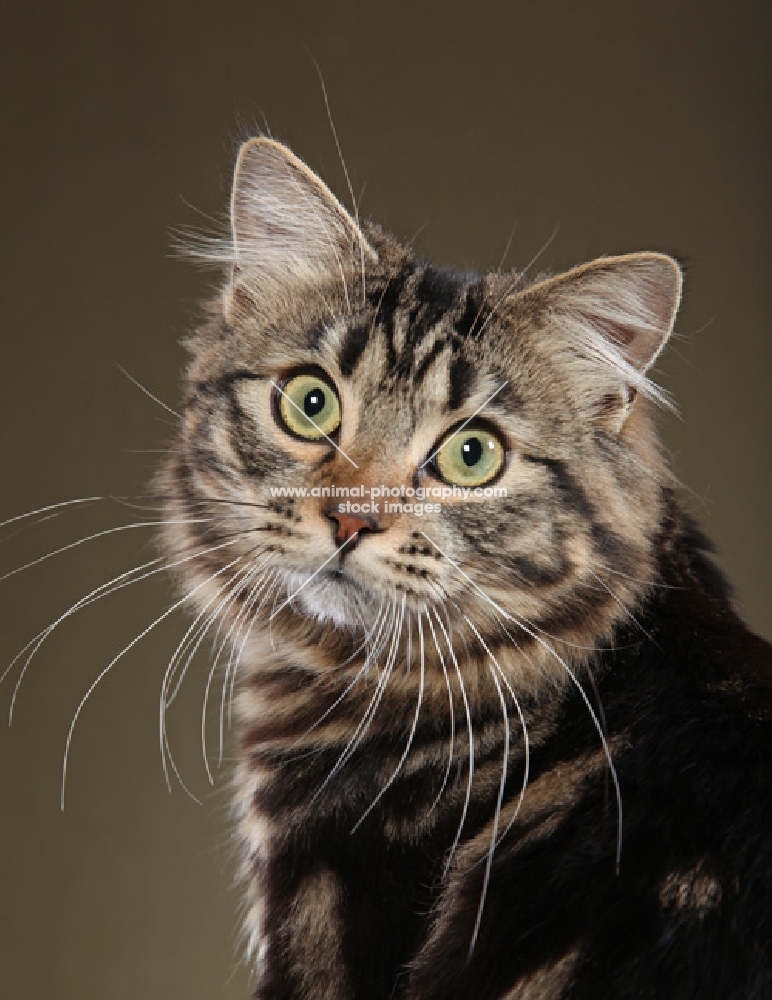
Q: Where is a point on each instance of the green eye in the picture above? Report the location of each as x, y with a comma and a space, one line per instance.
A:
309, 407
470, 457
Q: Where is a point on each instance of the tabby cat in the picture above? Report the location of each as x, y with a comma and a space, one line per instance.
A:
510, 741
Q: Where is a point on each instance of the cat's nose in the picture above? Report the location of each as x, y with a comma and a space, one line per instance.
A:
348, 525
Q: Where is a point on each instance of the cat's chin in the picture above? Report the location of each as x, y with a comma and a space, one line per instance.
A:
335, 598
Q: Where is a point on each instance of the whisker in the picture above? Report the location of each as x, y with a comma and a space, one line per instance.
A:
104, 672
345, 172
499, 799
368, 715
91, 538
266, 585
103, 590
406, 751
626, 610
165, 747
548, 678
635, 579
572, 677
452, 740
31, 524
148, 393
215, 616
79, 604
601, 734
470, 732
52, 506
37, 641
177, 775
188, 639
237, 651
367, 663
192, 638
233, 662
516, 281
167, 498
526, 741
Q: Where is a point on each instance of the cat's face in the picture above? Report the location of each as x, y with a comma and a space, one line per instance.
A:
507, 415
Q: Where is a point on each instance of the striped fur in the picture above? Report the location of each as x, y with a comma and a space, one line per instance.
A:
392, 711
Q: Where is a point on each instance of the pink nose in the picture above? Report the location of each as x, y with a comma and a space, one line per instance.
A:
348, 525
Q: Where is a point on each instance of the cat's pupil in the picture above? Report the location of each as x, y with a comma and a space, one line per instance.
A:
471, 451
314, 402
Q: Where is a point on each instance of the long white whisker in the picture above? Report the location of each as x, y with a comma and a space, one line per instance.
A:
166, 752
367, 716
452, 741
410, 738
216, 660
522, 652
526, 741
523, 724
203, 628
499, 800
148, 393
627, 611
165, 700
103, 590
104, 672
241, 641
266, 588
91, 538
89, 598
216, 615
366, 664
348, 179
189, 638
470, 732
207, 689
51, 506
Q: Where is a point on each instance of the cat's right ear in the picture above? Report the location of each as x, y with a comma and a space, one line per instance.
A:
289, 231
608, 320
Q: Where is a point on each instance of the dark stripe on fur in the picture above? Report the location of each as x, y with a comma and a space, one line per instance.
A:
353, 347
461, 380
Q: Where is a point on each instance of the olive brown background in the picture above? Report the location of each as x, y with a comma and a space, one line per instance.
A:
641, 125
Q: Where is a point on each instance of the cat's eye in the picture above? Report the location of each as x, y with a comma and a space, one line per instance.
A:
309, 406
470, 457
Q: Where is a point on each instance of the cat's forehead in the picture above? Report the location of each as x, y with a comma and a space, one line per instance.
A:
416, 320
429, 350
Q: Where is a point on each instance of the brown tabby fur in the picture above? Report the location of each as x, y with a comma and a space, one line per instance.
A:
384, 709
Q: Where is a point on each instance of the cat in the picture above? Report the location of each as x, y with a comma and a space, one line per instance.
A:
502, 735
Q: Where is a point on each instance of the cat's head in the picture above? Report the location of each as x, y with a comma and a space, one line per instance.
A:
514, 413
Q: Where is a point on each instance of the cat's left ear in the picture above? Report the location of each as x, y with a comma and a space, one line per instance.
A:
612, 317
